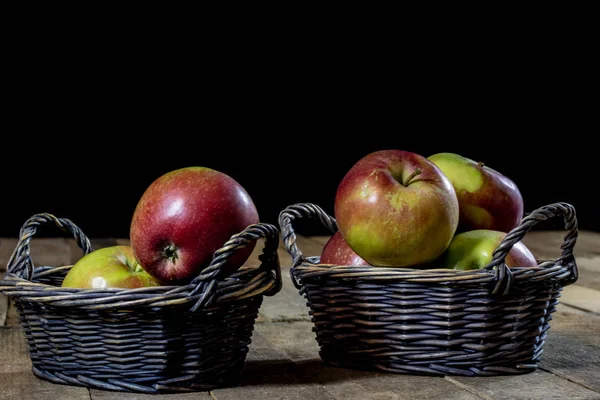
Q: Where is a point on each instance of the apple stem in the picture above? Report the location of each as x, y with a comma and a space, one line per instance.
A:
138, 268
480, 164
170, 252
415, 173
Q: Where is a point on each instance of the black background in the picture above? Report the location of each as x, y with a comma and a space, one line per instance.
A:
97, 181
85, 145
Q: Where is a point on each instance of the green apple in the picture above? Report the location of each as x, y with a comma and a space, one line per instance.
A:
473, 250
487, 199
109, 267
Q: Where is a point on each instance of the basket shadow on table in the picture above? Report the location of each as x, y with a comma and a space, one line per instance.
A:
309, 371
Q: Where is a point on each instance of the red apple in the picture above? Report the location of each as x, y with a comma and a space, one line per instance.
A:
184, 216
487, 199
396, 208
336, 251
108, 267
473, 250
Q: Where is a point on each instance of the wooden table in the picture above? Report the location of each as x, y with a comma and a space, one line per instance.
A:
283, 362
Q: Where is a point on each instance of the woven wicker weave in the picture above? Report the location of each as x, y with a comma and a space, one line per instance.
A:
150, 340
433, 321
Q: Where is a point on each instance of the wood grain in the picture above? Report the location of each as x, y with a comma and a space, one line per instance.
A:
297, 342
581, 297
44, 251
96, 394
546, 244
288, 305
7, 246
4, 304
17, 380
572, 350
536, 385
589, 272
270, 374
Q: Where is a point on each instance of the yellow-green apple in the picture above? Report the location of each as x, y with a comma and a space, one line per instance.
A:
487, 199
184, 216
396, 208
336, 251
108, 267
473, 250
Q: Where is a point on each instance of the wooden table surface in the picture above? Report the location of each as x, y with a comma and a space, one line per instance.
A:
283, 361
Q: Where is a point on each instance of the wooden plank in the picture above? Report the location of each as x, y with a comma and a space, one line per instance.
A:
309, 246
354, 391
123, 241
321, 240
546, 244
12, 317
4, 305
96, 394
580, 322
535, 385
17, 380
44, 251
407, 387
7, 246
589, 272
270, 374
296, 339
50, 251
581, 297
562, 308
572, 350
288, 304
568, 368
298, 343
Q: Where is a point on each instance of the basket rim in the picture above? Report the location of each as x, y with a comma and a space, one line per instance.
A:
311, 268
210, 286
562, 270
245, 283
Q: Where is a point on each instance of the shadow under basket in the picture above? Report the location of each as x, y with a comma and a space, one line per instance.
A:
492, 321
163, 339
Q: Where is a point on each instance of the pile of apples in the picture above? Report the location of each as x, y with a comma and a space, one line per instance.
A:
181, 219
396, 208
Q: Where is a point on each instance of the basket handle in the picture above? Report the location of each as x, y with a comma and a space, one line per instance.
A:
207, 282
20, 263
504, 276
296, 211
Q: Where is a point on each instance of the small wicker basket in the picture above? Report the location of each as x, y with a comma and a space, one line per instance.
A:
150, 340
492, 321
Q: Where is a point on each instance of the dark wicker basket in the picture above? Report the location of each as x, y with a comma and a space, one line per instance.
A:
151, 340
492, 321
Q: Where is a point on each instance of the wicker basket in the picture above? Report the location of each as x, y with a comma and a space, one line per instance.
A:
150, 340
492, 321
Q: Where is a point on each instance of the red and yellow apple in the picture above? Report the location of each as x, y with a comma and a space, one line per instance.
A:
396, 208
183, 217
473, 250
487, 199
108, 267
336, 251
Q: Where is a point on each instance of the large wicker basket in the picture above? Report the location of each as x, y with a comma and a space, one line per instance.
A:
151, 340
484, 322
